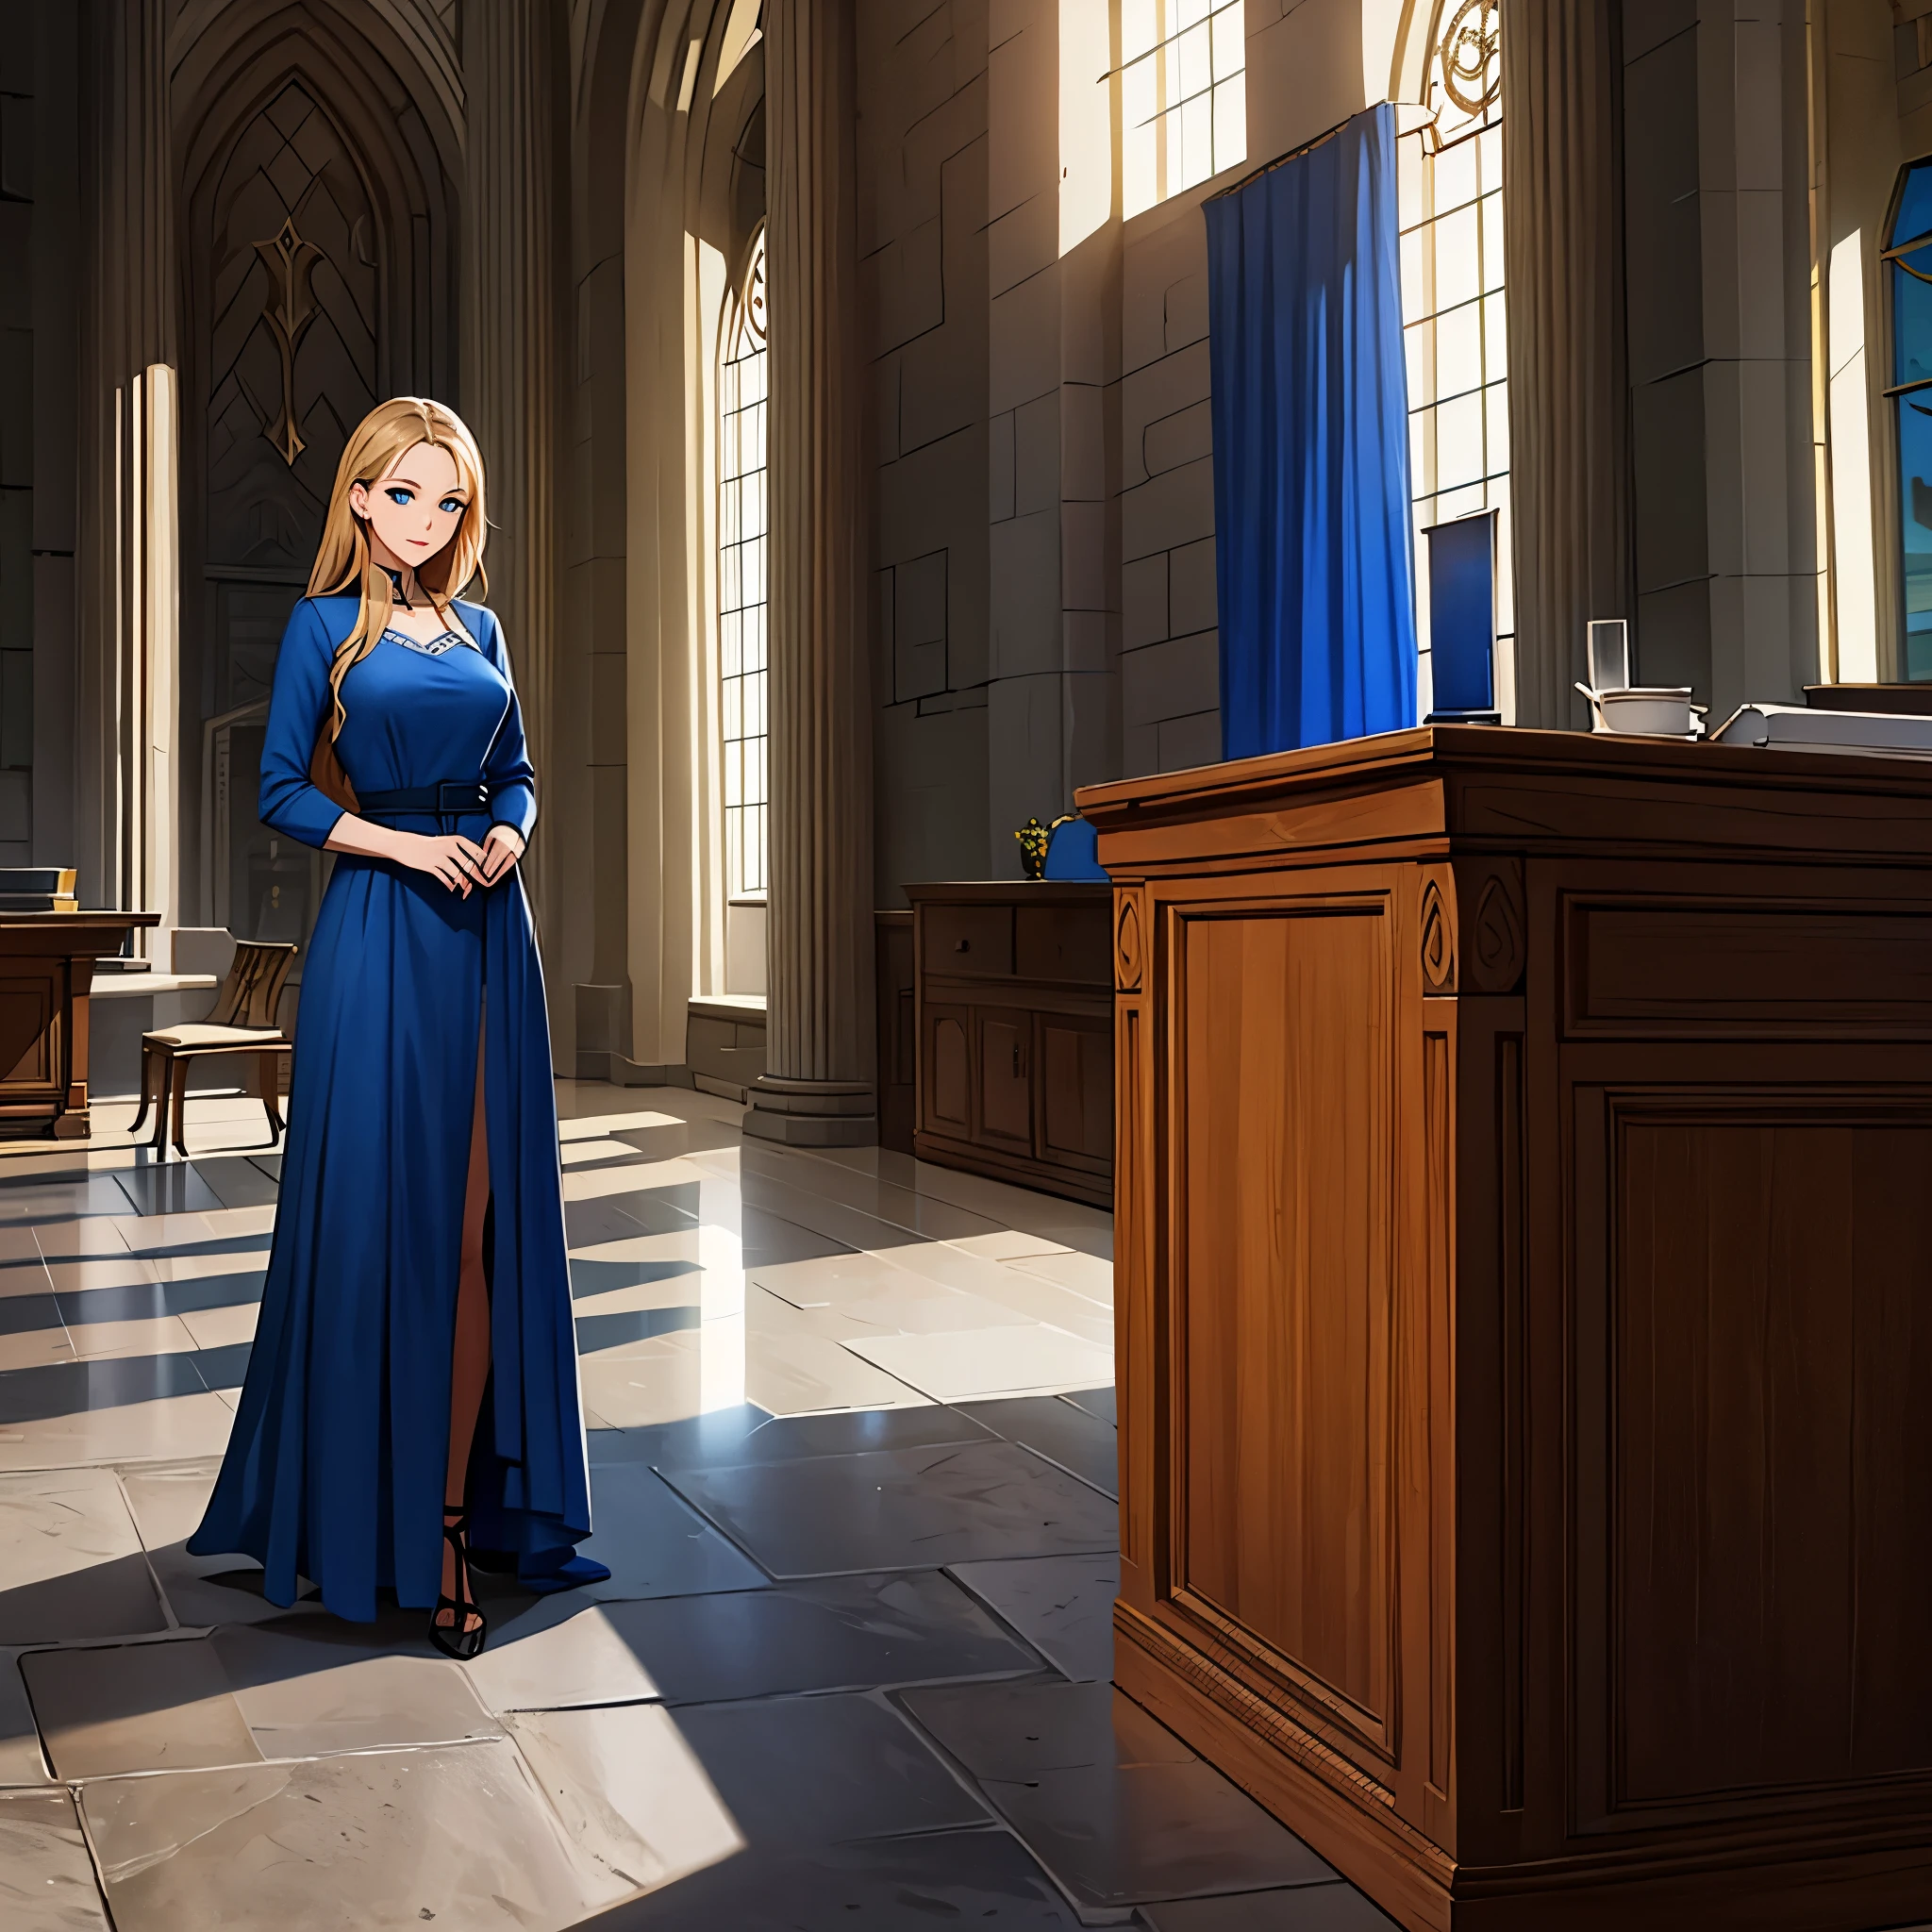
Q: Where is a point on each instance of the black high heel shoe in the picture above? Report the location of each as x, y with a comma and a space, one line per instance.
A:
463, 1637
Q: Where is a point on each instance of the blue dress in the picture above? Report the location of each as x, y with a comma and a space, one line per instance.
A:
336, 1467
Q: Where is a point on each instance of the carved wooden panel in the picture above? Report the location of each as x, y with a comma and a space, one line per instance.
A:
1662, 967
1077, 1091
1005, 1077
948, 1090
1767, 1442
29, 1046
1284, 1312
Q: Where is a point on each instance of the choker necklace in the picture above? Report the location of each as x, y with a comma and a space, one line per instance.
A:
395, 578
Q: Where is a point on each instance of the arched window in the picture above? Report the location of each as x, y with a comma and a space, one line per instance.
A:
1184, 94
741, 570
1909, 249
1449, 188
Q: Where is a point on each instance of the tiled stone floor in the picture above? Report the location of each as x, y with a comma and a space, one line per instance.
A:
852, 1436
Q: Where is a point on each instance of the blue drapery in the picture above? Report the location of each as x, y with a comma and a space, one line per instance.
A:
1311, 449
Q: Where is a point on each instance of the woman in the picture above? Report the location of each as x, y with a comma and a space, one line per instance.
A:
418, 1284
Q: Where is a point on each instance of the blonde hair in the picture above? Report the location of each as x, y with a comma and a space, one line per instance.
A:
342, 562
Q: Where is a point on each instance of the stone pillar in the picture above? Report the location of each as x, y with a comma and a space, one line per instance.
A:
1568, 385
126, 325
817, 1086
509, 359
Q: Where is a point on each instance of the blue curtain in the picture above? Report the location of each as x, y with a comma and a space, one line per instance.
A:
1311, 449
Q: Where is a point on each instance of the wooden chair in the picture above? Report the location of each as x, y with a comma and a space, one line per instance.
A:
244, 1021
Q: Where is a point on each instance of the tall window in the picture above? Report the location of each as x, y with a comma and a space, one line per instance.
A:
1184, 94
742, 565
1909, 249
1449, 182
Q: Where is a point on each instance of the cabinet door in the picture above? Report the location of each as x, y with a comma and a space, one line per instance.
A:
946, 1073
1006, 1079
1076, 1092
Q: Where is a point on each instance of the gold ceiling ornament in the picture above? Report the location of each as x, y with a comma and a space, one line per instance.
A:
290, 261
1473, 55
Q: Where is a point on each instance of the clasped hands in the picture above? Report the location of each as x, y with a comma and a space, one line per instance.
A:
461, 863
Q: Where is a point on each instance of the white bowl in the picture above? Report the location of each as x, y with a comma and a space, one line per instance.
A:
1648, 711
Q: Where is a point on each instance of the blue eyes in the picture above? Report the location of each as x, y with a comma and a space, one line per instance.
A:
450, 506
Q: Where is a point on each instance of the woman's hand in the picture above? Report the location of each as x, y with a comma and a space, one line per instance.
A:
458, 862
501, 848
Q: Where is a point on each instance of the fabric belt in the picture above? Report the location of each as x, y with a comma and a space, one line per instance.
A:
446, 799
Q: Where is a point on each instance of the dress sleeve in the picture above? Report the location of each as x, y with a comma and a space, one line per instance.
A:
508, 770
298, 705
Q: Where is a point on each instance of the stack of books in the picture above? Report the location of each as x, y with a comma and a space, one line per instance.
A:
37, 889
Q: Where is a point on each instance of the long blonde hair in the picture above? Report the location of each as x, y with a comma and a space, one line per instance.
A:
342, 562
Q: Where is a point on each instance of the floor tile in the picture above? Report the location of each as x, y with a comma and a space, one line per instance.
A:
168, 1501
618, 1331
1116, 1807
652, 1384
1100, 1401
654, 1545
1030, 1297
978, 1878
97, 1234
46, 1877
136, 1707
149, 1233
73, 1276
230, 1223
21, 1761
172, 1188
166, 1427
902, 1508
69, 1393
1007, 1244
459, 1836
750, 1434
812, 1769
235, 1181
596, 1126
49, 1201
1085, 1275
838, 1634
593, 1277
228, 1327
557, 1654
1332, 1907
17, 1242
151, 1335
591, 1222
310, 1684
23, 1276
792, 1369
634, 1799
1063, 1605
32, 1333
832, 1280
70, 1560
1079, 1442
986, 1361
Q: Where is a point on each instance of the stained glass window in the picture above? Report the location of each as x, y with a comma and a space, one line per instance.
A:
742, 551
1449, 187
1908, 254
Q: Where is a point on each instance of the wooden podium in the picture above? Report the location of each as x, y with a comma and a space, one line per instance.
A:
1524, 1303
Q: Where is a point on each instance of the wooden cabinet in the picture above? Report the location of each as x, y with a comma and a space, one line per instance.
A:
1522, 1283
46, 973
1015, 1027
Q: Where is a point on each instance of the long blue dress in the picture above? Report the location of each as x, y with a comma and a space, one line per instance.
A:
336, 1467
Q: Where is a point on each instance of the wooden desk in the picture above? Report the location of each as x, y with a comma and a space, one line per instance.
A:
1524, 1303
1014, 1021
46, 969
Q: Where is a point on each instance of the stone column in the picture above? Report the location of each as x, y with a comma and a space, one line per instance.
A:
1563, 273
509, 359
817, 1086
128, 296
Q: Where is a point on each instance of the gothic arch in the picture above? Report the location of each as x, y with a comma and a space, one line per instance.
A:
316, 206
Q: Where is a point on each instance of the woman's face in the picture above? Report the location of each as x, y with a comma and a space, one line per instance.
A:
414, 508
